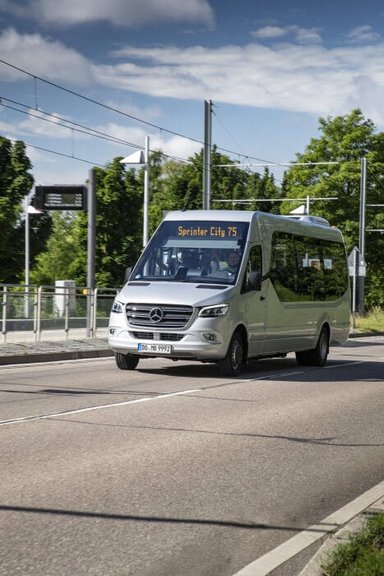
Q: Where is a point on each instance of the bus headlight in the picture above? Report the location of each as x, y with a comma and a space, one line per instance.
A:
117, 307
214, 311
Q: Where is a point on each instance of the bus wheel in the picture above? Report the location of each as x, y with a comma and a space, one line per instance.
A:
232, 363
318, 355
126, 361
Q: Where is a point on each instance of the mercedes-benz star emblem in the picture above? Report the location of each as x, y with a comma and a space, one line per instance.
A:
156, 314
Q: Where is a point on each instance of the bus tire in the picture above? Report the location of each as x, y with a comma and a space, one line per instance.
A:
318, 355
233, 361
126, 361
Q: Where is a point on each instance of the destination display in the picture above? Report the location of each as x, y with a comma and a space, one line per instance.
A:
211, 230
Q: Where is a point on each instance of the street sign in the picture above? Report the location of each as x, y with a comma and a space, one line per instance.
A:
60, 197
356, 265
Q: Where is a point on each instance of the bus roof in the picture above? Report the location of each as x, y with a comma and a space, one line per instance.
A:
240, 216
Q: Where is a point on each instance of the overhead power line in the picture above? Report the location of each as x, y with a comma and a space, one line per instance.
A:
73, 126
97, 103
115, 110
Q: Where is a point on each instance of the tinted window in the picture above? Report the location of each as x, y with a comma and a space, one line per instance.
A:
305, 268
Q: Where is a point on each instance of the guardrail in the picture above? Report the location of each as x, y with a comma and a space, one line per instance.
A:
66, 311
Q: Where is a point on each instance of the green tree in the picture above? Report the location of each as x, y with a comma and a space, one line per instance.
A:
15, 184
265, 192
119, 217
343, 142
118, 233
55, 261
182, 187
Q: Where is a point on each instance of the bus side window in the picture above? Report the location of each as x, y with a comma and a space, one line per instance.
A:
253, 273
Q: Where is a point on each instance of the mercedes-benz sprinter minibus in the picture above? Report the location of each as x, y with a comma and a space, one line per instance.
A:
227, 286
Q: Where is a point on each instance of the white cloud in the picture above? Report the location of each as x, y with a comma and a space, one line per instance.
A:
287, 76
291, 77
45, 57
302, 35
174, 146
363, 34
267, 32
125, 13
39, 124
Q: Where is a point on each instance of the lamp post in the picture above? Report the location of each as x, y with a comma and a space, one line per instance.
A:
28, 210
140, 158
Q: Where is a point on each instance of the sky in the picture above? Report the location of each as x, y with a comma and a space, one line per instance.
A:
82, 82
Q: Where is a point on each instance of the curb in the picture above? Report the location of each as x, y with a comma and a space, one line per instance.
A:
31, 357
342, 536
364, 334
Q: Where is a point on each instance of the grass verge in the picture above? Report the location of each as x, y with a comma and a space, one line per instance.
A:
373, 321
362, 555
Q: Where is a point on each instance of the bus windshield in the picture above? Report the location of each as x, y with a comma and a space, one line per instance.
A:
193, 251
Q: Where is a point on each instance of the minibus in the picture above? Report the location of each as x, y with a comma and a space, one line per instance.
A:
228, 286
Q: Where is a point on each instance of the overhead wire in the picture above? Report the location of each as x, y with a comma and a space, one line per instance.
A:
112, 109
58, 120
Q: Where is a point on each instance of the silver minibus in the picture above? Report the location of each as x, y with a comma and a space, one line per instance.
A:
227, 286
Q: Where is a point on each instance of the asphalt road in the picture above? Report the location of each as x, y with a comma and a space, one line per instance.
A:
170, 470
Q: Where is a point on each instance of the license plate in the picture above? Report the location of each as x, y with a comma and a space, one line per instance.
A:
155, 348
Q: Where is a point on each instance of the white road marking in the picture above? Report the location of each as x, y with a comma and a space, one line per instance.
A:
273, 559
102, 407
345, 364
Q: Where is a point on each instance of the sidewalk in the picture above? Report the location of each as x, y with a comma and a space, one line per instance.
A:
45, 351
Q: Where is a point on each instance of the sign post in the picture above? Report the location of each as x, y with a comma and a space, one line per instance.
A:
73, 197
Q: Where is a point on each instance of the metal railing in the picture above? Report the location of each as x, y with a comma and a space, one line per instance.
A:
37, 312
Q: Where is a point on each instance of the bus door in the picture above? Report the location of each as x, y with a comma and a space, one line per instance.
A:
253, 297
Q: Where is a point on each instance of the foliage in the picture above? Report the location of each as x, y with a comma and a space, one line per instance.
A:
362, 555
335, 189
329, 174
54, 262
118, 222
181, 187
15, 183
118, 230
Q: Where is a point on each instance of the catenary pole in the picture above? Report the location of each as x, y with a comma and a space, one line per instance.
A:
207, 155
361, 274
91, 246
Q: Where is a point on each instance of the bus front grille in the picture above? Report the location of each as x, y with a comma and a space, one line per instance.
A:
161, 315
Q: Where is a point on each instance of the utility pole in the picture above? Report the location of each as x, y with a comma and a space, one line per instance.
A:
207, 155
146, 192
91, 245
361, 269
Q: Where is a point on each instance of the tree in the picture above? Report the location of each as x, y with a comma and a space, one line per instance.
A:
15, 183
264, 188
54, 262
182, 187
344, 140
119, 216
118, 233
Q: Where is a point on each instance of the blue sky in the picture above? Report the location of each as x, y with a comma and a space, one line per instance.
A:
270, 67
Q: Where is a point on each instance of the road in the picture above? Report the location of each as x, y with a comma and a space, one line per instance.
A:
170, 470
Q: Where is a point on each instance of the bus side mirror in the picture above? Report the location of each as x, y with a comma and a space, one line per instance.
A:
255, 280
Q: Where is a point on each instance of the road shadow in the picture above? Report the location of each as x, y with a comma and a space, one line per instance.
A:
161, 519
